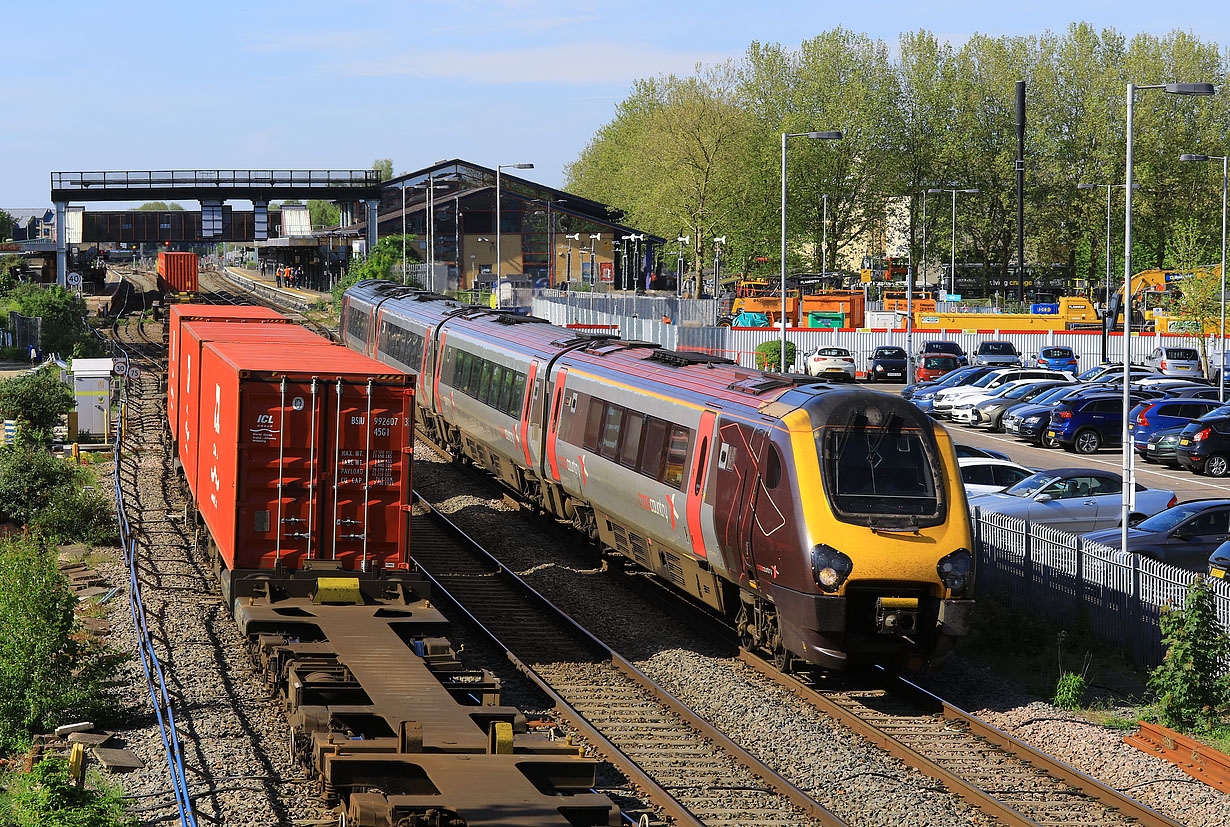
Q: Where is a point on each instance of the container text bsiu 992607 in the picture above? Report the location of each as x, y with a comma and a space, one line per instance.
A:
304, 457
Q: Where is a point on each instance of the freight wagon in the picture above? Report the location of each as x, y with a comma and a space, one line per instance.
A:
181, 313
177, 272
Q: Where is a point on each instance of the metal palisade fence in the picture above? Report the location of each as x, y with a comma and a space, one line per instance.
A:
1065, 578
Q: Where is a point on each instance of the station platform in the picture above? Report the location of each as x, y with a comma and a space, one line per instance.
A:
299, 297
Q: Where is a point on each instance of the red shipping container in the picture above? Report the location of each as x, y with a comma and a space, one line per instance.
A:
181, 313
192, 337
177, 272
305, 454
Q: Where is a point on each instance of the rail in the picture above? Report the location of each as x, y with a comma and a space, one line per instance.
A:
150, 664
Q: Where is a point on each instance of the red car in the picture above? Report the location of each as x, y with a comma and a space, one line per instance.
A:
933, 367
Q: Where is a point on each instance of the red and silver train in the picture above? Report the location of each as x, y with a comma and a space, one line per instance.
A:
827, 523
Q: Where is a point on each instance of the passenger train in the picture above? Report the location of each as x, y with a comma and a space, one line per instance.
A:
828, 524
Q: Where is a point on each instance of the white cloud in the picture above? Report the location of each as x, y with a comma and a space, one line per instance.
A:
576, 64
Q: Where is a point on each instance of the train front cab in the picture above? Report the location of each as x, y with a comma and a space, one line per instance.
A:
862, 536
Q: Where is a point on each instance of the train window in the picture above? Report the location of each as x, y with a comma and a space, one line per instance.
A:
629, 450
506, 391
653, 455
461, 373
593, 423
773, 468
700, 464
611, 427
495, 394
518, 394
484, 382
878, 471
676, 454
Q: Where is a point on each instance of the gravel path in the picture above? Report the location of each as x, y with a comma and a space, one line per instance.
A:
855, 780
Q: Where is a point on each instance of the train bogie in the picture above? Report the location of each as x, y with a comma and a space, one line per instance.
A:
303, 456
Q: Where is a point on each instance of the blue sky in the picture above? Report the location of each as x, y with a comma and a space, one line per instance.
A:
257, 85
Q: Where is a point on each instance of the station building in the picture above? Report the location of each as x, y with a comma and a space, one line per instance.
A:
549, 238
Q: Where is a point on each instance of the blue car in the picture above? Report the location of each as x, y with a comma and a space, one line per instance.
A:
960, 376
1154, 415
887, 364
1087, 423
1058, 357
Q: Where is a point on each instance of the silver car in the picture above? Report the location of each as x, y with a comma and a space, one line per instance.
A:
1000, 354
1078, 500
1176, 361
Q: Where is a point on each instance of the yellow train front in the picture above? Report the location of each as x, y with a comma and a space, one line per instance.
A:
856, 535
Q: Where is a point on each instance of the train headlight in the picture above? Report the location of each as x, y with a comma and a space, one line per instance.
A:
829, 567
955, 570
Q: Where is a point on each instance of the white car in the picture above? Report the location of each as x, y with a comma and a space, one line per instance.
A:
946, 399
982, 475
832, 363
963, 410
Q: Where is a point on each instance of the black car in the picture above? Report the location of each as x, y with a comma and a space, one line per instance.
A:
1219, 562
887, 365
1183, 535
1163, 445
1204, 445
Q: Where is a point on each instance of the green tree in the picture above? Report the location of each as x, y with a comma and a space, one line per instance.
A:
36, 400
384, 166
384, 262
323, 213
6, 225
159, 206
30, 481
63, 329
40, 648
1191, 684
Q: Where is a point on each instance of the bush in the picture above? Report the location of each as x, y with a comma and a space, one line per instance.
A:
50, 674
768, 355
1070, 691
79, 515
30, 481
36, 400
1191, 688
47, 797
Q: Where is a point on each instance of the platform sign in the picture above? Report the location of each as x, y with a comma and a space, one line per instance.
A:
952, 297
606, 271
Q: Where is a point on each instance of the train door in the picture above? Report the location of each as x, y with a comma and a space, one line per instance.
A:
700, 513
530, 425
735, 473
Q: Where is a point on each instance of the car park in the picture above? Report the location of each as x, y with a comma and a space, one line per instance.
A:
1087, 423
941, 348
1058, 357
1183, 535
1157, 414
990, 412
832, 363
888, 364
1162, 446
1030, 421
1204, 445
1074, 499
947, 398
985, 475
1176, 361
933, 367
999, 354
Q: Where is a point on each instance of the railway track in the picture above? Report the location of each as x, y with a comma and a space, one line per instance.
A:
687, 768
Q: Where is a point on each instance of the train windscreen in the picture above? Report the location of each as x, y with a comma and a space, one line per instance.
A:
881, 468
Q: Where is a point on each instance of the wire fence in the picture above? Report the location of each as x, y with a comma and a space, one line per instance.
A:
151, 666
1121, 597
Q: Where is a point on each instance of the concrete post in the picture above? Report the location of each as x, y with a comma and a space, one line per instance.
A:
373, 210
61, 243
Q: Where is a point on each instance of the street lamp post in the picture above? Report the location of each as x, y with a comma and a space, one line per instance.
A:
1105, 326
718, 240
823, 136
404, 276
952, 266
499, 230
1221, 355
568, 267
594, 238
1128, 495
683, 239
824, 235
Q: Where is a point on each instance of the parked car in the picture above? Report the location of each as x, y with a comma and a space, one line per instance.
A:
1176, 361
1204, 445
832, 363
1163, 446
990, 413
983, 475
1115, 377
1183, 535
1086, 424
1073, 499
965, 451
1219, 366
1030, 421
1219, 562
933, 367
963, 409
961, 375
948, 397
1156, 414
888, 364
1189, 391
1058, 357
1000, 354
942, 348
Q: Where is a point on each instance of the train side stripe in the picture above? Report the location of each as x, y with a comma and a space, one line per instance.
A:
553, 422
435, 394
526, 406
